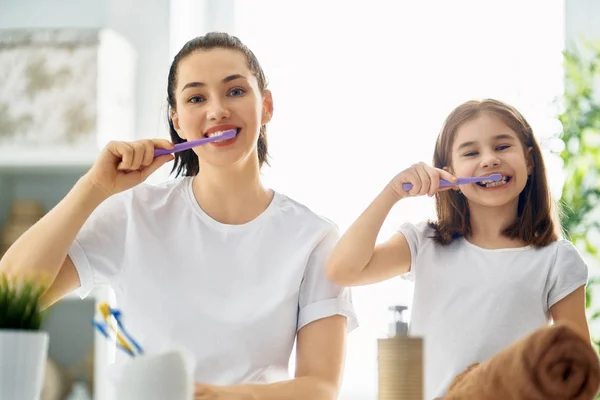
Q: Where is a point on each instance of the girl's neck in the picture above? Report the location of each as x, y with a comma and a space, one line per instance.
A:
488, 225
232, 195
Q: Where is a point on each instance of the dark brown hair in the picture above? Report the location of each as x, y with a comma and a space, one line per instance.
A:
186, 162
537, 223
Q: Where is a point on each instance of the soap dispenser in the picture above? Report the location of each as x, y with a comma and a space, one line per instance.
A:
400, 360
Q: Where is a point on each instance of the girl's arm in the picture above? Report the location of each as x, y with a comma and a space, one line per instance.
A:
356, 260
572, 309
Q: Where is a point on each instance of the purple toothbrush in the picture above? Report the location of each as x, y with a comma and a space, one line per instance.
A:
461, 181
188, 145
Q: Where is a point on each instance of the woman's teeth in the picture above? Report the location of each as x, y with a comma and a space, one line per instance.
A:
217, 133
489, 184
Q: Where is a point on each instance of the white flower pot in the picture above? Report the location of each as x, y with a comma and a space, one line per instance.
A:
23, 356
157, 377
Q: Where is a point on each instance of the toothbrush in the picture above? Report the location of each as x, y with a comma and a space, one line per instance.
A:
107, 311
117, 315
461, 181
103, 329
188, 145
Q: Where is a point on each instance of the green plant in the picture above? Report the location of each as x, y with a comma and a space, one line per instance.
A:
581, 157
20, 306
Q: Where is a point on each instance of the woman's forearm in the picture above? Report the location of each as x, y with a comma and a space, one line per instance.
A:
301, 388
42, 249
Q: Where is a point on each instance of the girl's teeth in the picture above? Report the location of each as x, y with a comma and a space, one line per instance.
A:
495, 183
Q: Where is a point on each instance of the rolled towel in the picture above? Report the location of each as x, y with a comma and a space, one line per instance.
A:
552, 363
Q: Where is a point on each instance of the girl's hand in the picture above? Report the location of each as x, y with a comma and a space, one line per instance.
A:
425, 180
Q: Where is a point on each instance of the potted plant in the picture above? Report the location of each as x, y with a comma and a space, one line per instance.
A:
23, 346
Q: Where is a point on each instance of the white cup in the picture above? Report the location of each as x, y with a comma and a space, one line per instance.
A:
156, 377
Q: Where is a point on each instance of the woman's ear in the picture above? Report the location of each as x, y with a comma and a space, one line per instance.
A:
267, 113
175, 120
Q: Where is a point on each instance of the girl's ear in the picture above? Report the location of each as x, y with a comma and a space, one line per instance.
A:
530, 163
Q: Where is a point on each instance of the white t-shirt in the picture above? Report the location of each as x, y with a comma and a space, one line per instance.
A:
470, 302
233, 296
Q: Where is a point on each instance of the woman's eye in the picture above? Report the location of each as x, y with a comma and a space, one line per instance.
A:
236, 92
196, 99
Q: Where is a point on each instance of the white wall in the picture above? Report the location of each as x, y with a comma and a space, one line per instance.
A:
145, 24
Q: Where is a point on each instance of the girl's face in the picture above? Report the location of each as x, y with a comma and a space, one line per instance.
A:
484, 146
216, 92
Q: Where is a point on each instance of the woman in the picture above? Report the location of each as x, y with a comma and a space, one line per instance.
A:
213, 262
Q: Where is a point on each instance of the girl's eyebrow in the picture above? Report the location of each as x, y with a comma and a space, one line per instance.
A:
502, 136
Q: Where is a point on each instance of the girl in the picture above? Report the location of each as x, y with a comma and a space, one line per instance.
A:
492, 268
214, 262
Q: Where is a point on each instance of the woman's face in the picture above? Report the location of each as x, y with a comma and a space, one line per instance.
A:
215, 92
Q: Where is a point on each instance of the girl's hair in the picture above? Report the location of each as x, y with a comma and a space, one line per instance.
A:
186, 162
537, 223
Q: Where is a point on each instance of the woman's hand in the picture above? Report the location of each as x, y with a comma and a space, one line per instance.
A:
210, 392
123, 165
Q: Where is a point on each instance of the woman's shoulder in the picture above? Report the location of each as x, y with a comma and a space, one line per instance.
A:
153, 193
145, 198
302, 214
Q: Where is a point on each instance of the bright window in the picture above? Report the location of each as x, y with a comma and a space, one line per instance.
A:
361, 89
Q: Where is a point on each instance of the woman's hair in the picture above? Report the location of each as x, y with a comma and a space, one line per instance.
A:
186, 162
537, 223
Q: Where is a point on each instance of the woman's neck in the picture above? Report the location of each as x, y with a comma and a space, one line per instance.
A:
231, 195
489, 223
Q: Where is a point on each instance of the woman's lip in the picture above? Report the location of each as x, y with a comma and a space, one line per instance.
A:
220, 128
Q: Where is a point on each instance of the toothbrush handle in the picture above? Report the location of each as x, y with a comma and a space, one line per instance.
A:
443, 183
194, 143
178, 147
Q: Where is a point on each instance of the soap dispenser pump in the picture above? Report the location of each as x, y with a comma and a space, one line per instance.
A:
400, 360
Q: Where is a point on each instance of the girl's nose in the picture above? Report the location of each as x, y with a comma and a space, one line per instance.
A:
490, 161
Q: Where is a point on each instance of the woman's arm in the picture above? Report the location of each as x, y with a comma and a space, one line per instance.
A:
41, 252
320, 354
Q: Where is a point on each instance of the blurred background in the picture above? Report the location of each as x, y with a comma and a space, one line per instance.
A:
361, 89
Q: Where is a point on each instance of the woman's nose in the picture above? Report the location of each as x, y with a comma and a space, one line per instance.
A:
217, 110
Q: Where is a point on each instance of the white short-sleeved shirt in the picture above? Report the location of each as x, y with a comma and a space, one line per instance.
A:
233, 296
470, 302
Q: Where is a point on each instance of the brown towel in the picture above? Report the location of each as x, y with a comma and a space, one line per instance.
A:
551, 363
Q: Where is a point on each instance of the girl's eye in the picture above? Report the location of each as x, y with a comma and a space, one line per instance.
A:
237, 92
470, 154
196, 99
503, 147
